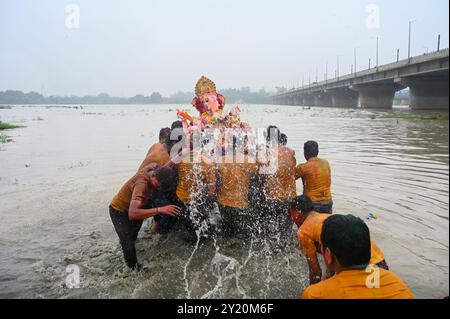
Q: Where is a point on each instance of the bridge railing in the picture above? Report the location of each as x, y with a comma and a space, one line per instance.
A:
382, 68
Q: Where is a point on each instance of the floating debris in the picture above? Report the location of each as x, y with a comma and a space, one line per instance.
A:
372, 216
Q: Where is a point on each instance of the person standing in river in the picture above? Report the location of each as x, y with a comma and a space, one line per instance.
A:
346, 247
195, 190
159, 153
316, 177
234, 172
280, 189
310, 225
126, 208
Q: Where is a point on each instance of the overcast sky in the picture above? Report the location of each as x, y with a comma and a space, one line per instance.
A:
125, 48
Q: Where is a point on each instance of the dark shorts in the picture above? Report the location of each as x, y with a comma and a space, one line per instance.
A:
278, 224
323, 208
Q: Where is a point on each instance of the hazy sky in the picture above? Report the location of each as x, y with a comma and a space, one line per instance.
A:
128, 47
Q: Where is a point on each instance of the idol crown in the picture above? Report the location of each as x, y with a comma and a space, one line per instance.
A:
203, 86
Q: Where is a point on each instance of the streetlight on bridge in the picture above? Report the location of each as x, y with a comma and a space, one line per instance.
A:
337, 69
409, 38
354, 58
376, 55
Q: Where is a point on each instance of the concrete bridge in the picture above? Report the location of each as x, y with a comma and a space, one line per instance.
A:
427, 77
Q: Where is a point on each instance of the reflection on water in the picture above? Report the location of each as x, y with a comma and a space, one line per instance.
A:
54, 210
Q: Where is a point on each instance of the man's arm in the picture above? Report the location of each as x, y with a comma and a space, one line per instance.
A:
315, 272
141, 191
136, 212
308, 249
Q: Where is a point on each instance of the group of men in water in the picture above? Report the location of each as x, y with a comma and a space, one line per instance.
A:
184, 192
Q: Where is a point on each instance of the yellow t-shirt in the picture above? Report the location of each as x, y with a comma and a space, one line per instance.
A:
235, 181
281, 185
136, 188
309, 233
316, 177
187, 179
353, 284
157, 154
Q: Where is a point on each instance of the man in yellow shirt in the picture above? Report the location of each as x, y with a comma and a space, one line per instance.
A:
310, 225
127, 209
316, 177
346, 248
280, 190
234, 174
159, 153
196, 185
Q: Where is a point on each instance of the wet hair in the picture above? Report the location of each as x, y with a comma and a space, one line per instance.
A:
176, 124
283, 139
167, 178
348, 238
164, 135
302, 203
311, 149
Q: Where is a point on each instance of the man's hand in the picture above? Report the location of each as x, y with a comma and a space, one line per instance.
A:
170, 210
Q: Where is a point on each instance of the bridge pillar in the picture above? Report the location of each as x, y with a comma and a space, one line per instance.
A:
322, 99
297, 100
343, 97
292, 100
376, 95
428, 93
308, 100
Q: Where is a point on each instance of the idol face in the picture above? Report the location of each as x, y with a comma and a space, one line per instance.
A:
211, 102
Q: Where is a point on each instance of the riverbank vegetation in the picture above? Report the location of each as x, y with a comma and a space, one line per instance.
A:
242, 95
7, 126
5, 139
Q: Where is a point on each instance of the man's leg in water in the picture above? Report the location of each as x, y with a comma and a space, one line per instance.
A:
284, 221
186, 222
279, 224
127, 231
228, 226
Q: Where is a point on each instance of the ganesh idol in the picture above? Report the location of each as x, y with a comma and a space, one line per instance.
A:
207, 101
210, 105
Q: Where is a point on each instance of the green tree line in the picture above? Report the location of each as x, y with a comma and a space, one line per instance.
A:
242, 95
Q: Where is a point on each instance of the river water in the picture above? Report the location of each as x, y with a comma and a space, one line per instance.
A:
61, 170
